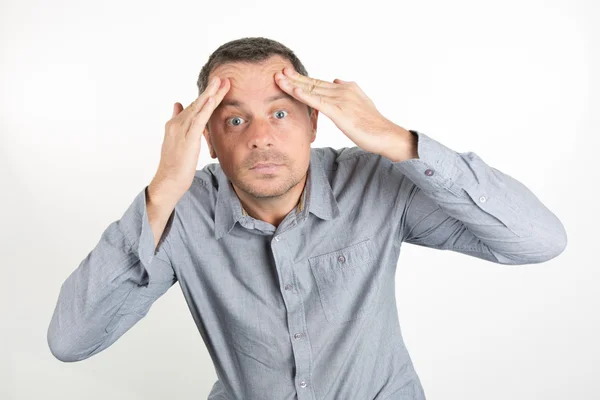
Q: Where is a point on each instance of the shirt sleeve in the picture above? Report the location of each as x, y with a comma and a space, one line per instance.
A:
113, 287
455, 201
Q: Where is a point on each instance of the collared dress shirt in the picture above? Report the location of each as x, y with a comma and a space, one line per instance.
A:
305, 310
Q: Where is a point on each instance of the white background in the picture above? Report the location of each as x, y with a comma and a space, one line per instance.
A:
87, 86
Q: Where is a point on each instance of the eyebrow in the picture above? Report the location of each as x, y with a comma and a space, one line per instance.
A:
239, 104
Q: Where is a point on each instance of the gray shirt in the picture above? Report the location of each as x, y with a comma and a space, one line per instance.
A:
306, 310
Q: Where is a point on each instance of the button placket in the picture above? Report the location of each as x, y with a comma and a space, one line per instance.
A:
295, 311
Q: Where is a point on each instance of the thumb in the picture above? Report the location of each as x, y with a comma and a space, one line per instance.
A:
177, 108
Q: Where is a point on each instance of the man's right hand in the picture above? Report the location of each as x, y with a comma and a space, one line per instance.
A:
181, 146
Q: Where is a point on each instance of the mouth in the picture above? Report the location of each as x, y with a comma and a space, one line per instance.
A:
266, 167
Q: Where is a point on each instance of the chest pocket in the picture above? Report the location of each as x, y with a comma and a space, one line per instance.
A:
346, 280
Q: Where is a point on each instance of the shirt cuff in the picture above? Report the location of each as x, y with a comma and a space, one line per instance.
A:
437, 168
136, 228
447, 176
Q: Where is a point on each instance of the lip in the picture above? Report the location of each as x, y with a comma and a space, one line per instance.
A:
266, 167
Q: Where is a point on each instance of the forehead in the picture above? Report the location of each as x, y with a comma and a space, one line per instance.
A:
248, 78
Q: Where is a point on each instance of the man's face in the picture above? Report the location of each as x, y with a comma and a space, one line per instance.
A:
249, 127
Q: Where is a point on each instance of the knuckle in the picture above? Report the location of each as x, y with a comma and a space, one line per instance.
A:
169, 133
201, 116
172, 128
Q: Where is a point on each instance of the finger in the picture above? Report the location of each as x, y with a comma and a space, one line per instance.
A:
201, 119
313, 86
212, 87
295, 76
177, 108
319, 102
210, 90
187, 115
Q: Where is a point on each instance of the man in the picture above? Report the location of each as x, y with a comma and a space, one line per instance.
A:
286, 254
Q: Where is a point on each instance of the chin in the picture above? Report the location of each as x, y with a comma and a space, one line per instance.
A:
266, 186
264, 191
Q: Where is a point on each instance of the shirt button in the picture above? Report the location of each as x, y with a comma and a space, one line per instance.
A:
298, 335
428, 172
482, 199
277, 238
288, 287
342, 259
302, 384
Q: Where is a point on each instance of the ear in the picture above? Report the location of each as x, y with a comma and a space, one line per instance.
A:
211, 149
314, 116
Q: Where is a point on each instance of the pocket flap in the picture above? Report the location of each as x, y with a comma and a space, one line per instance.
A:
347, 257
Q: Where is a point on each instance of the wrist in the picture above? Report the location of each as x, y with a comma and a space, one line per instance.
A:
404, 144
160, 194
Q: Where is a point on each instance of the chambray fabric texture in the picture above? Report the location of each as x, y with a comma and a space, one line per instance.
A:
306, 310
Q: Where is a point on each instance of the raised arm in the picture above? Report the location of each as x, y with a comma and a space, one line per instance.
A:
114, 286
455, 201
130, 267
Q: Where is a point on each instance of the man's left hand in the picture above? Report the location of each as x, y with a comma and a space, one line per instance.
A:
352, 111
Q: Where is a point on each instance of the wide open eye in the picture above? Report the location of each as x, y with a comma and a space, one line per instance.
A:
230, 121
280, 112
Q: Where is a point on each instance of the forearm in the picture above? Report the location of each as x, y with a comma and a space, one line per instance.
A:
480, 208
101, 298
160, 209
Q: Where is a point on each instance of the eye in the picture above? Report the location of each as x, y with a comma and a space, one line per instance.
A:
280, 112
235, 119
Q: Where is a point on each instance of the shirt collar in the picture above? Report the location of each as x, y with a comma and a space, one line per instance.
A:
317, 197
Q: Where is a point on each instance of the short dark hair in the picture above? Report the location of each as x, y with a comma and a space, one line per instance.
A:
248, 49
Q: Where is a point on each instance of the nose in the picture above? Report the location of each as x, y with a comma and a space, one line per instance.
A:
260, 135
